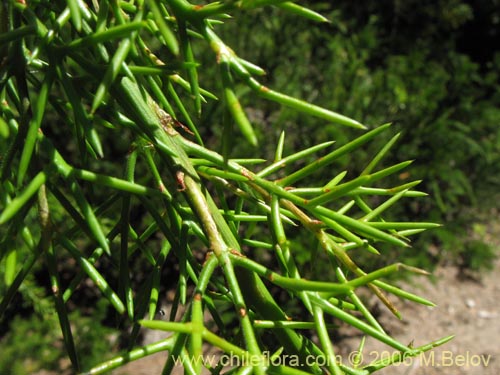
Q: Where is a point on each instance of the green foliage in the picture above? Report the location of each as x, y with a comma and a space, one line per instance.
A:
396, 62
110, 194
35, 343
31, 345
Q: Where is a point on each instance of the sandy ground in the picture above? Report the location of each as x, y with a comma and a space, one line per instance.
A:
466, 308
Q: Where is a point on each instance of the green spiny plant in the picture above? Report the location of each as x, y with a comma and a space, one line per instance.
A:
79, 80
427, 90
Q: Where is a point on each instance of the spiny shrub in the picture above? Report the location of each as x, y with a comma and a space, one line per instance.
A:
105, 178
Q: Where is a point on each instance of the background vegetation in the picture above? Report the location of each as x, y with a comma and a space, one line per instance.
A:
417, 64
429, 67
